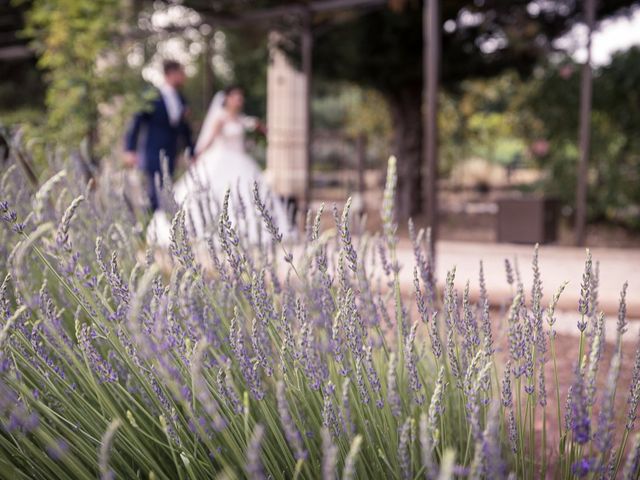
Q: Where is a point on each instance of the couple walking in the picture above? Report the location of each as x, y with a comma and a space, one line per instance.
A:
219, 159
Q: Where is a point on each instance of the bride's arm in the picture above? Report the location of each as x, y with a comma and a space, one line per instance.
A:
215, 131
253, 124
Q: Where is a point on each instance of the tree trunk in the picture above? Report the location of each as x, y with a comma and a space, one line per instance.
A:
407, 147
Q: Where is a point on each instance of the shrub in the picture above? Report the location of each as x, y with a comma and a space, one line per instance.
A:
276, 360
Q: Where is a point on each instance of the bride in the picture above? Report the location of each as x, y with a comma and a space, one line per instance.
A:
221, 163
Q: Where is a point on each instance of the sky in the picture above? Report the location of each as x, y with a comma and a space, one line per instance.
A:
611, 36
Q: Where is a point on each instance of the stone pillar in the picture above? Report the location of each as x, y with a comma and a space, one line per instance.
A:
287, 120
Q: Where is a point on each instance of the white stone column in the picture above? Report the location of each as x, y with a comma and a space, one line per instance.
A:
287, 126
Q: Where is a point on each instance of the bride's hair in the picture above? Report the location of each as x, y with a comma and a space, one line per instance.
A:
232, 88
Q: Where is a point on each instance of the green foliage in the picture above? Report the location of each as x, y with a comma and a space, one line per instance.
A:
614, 171
482, 118
82, 49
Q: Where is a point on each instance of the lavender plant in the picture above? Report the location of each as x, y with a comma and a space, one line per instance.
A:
234, 361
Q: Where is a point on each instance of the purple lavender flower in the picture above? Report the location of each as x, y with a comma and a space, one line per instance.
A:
517, 340
62, 234
472, 385
58, 449
622, 310
551, 308
346, 243
426, 447
434, 336
597, 344
584, 304
201, 391
372, 375
329, 455
261, 300
392, 386
180, 244
228, 390
348, 473
384, 259
105, 450
403, 450
290, 430
308, 354
450, 321
487, 462
101, 367
254, 465
582, 467
506, 394
410, 363
423, 265
269, 222
542, 389
469, 324
485, 319
580, 421
634, 392
360, 382
250, 374
604, 434
329, 417
420, 300
631, 468
436, 408
509, 271
347, 424
10, 217
260, 345
513, 431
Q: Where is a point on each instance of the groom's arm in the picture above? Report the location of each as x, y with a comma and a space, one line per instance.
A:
130, 157
185, 131
131, 138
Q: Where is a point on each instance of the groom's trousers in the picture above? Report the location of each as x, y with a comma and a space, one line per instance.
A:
154, 187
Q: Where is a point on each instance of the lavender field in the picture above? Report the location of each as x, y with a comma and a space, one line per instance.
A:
281, 360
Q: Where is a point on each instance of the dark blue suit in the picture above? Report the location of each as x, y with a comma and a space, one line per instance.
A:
160, 137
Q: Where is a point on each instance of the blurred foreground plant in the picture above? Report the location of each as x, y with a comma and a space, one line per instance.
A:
238, 362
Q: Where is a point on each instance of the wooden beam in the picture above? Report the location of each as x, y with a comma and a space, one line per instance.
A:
17, 52
277, 13
431, 66
584, 130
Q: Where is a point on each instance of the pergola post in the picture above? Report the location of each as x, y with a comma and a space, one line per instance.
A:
307, 52
207, 65
430, 65
584, 130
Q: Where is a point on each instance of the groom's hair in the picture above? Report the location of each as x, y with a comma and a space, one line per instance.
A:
169, 66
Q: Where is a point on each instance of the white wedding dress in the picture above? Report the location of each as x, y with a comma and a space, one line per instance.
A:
224, 165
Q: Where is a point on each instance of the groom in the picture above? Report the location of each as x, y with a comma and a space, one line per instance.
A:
163, 124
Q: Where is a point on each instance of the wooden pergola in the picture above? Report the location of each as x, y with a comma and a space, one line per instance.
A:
431, 67
304, 12
12, 46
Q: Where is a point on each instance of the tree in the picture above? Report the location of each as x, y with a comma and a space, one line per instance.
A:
82, 50
383, 49
614, 172
22, 88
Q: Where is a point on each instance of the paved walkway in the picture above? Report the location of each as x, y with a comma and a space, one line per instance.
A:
557, 265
